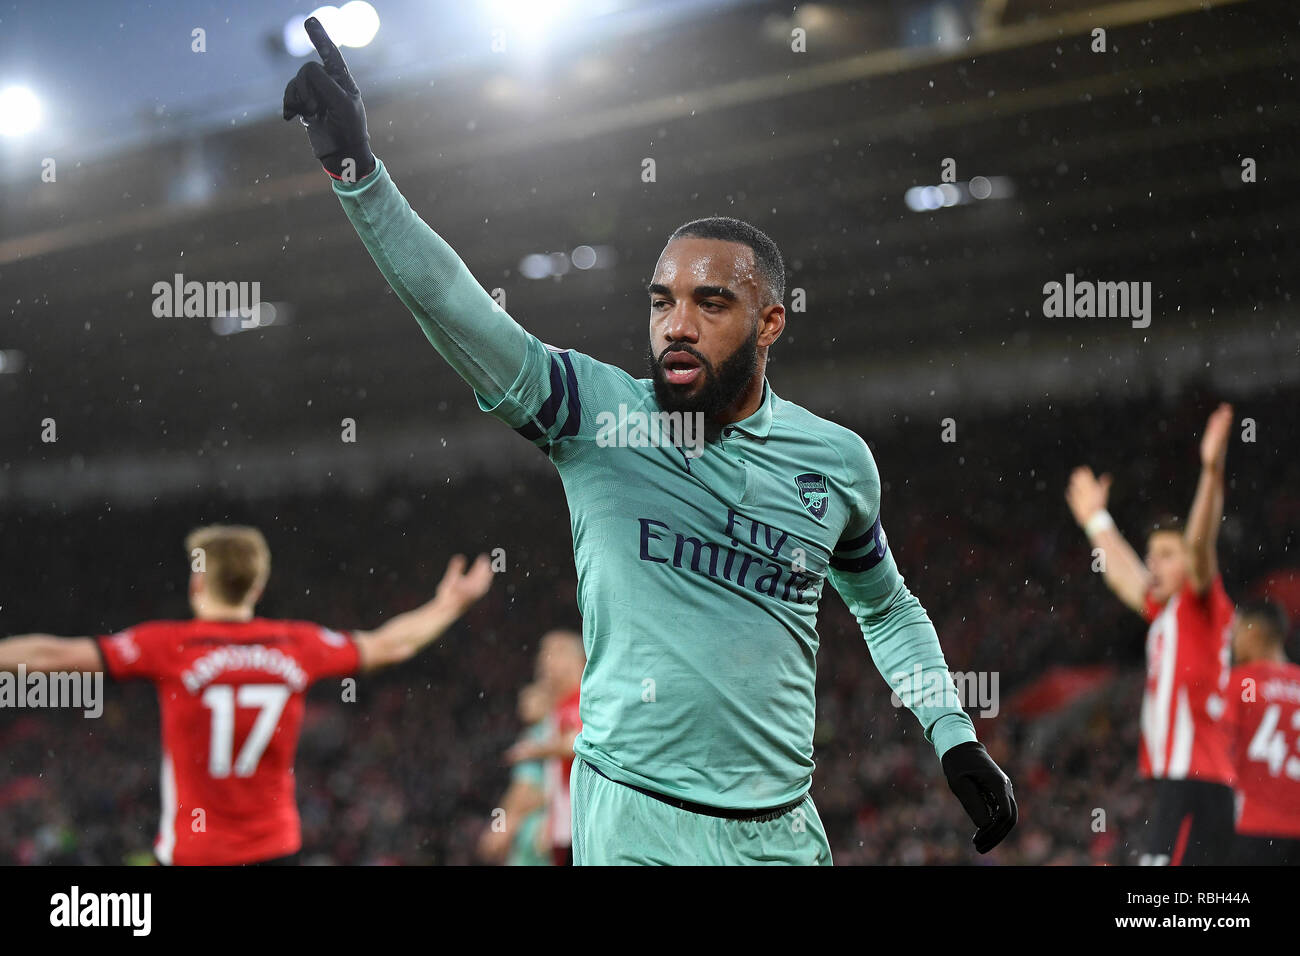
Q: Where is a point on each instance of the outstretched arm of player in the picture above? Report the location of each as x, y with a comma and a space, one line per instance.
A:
483, 344
1124, 572
1203, 520
45, 652
407, 634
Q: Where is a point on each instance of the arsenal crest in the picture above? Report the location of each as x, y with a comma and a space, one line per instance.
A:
813, 493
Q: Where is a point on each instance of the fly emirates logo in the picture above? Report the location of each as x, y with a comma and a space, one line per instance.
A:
763, 569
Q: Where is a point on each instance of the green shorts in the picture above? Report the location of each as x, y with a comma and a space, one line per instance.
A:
615, 825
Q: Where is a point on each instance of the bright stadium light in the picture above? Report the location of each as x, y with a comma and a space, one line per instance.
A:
946, 195
296, 40
559, 262
354, 24
528, 14
358, 23
20, 111
535, 266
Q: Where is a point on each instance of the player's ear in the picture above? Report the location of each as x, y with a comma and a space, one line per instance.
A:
771, 323
196, 583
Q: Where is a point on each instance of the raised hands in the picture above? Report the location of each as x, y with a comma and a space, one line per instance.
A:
462, 588
1086, 494
1214, 443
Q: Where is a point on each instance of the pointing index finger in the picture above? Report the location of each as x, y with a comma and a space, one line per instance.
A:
329, 53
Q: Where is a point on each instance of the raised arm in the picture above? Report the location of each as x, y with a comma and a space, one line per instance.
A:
1124, 572
1203, 520
405, 635
483, 344
45, 652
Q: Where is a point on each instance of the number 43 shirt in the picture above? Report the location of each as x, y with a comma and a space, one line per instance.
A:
1263, 718
231, 695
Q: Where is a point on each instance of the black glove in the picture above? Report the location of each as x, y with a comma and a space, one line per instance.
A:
984, 791
327, 99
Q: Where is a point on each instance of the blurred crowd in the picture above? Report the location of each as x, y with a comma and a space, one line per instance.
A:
411, 772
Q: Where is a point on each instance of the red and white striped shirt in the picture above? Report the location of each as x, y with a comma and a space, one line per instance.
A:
232, 695
1183, 736
566, 720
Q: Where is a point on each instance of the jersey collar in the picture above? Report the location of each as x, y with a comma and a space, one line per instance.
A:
759, 424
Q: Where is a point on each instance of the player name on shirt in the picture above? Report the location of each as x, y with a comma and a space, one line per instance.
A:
1277, 689
249, 657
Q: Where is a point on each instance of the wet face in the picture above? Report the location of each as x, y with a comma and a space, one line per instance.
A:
1167, 562
708, 327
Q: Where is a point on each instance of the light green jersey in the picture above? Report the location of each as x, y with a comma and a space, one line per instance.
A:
699, 578
523, 845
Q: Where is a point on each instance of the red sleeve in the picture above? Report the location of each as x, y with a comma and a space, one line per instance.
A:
328, 653
1214, 600
143, 651
1221, 604
1214, 609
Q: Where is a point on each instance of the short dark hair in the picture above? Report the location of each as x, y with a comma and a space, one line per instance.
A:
1167, 522
1271, 614
767, 257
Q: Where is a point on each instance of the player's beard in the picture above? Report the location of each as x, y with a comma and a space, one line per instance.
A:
722, 385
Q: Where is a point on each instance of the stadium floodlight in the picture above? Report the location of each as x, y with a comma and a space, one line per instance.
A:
358, 23
528, 15
946, 195
354, 24
535, 266
544, 265
20, 111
